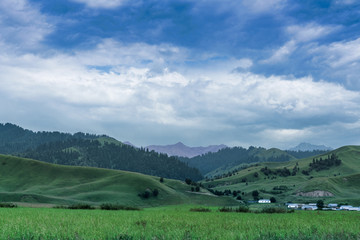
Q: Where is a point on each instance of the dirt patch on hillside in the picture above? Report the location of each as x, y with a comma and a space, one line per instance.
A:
317, 193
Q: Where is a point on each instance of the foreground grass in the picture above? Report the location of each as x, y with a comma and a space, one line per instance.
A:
174, 223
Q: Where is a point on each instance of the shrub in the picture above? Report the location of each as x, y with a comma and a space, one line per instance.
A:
273, 200
242, 209
225, 209
161, 179
8, 205
155, 192
200, 209
239, 209
274, 210
81, 206
109, 206
188, 181
61, 207
145, 194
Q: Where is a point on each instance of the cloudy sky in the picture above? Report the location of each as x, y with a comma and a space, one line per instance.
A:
269, 73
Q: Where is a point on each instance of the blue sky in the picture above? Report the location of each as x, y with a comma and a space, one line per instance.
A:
269, 73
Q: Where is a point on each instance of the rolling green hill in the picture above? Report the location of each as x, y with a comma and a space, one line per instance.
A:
106, 152
228, 159
294, 182
24, 180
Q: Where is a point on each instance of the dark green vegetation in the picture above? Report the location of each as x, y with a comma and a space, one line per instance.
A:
90, 150
332, 177
30, 181
229, 160
14, 139
106, 153
175, 223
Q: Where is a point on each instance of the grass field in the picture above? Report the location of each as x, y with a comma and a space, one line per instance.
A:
174, 223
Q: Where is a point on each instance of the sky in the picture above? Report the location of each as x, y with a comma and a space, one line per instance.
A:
269, 73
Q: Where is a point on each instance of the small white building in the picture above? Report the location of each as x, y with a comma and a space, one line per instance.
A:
309, 207
346, 207
264, 201
293, 205
332, 205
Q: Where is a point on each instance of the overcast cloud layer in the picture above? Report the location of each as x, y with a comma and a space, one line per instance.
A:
267, 73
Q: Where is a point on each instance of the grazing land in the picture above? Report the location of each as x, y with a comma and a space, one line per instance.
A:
175, 222
304, 180
31, 181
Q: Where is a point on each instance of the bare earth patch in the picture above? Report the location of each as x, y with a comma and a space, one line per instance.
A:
317, 193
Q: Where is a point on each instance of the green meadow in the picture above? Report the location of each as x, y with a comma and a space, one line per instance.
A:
175, 222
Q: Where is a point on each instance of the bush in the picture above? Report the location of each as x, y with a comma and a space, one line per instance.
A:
155, 192
225, 209
145, 194
188, 181
161, 179
239, 209
273, 200
8, 205
274, 210
109, 206
81, 206
200, 209
242, 209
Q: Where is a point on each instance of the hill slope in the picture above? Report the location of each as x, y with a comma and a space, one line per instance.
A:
224, 160
300, 180
24, 180
14, 139
105, 152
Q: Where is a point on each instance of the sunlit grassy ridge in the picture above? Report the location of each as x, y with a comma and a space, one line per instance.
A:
342, 181
24, 180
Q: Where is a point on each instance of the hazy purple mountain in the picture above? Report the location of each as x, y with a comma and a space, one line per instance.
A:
309, 147
181, 150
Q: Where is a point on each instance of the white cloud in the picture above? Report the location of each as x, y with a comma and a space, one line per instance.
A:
345, 2
310, 31
299, 34
22, 25
261, 6
282, 53
102, 3
340, 54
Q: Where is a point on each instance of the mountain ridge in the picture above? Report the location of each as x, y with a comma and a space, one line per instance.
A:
304, 146
181, 150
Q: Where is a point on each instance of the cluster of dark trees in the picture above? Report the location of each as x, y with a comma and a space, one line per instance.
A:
228, 157
231, 173
14, 139
82, 149
149, 193
323, 164
84, 152
227, 192
284, 172
306, 154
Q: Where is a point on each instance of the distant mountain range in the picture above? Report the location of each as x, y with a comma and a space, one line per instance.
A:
181, 150
310, 147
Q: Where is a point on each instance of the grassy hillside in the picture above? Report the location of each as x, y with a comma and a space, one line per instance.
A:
341, 183
106, 152
229, 159
24, 180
